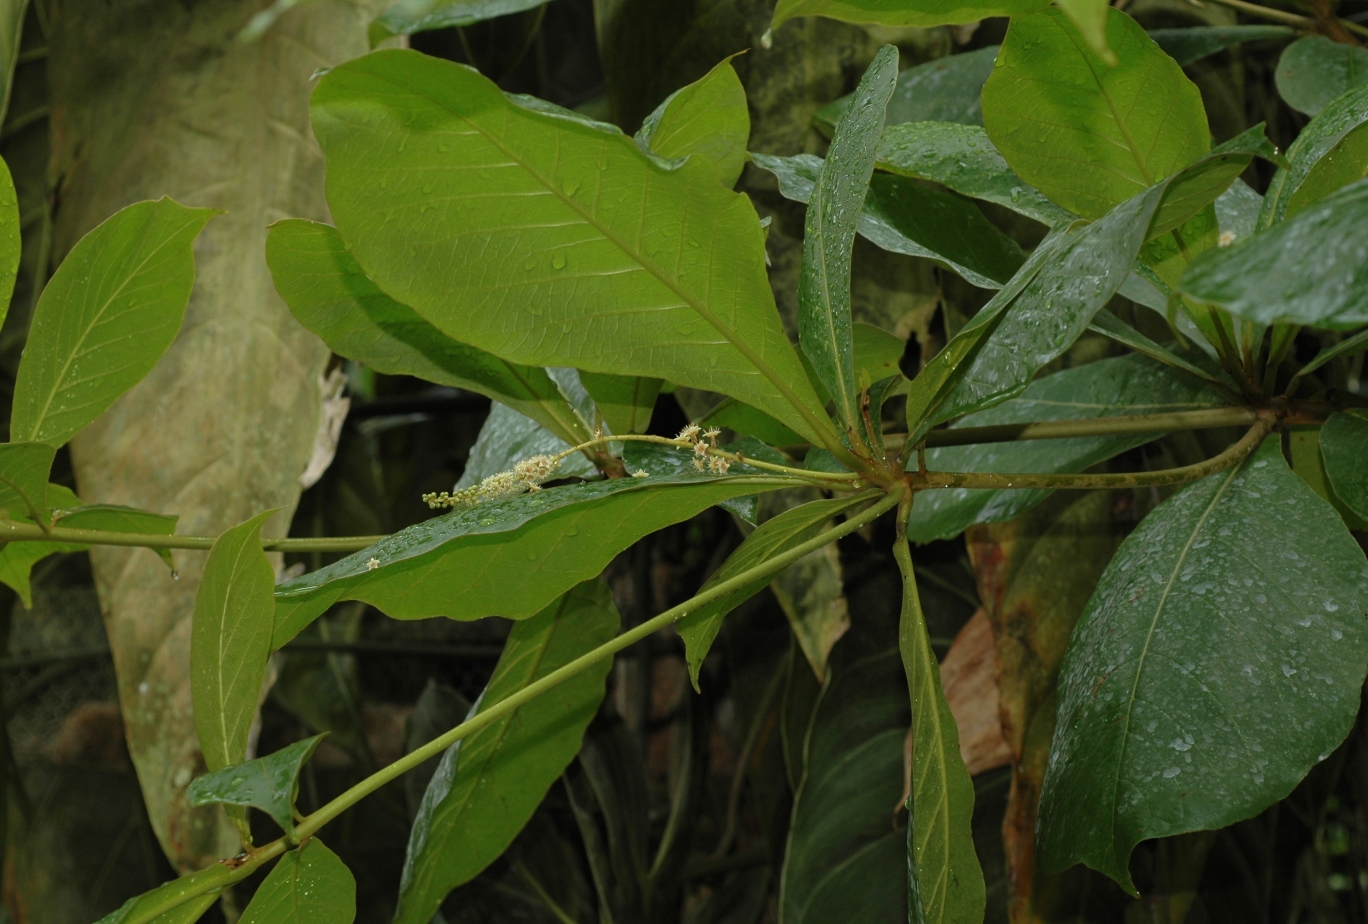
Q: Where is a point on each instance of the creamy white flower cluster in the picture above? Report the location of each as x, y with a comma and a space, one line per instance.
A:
703, 457
526, 476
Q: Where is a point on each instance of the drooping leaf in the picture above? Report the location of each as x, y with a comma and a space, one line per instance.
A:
964, 159
1237, 604
508, 437
1345, 163
269, 783
172, 896
707, 117
331, 296
488, 785
699, 628
1193, 43
906, 217
835, 209
1106, 388
1339, 117
1087, 134
310, 885
625, 401
555, 244
24, 469
405, 17
1313, 70
10, 247
941, 90
510, 556
1344, 447
105, 318
900, 12
1330, 290
231, 640
118, 519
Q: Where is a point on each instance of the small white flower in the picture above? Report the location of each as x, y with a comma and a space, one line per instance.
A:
1226, 239
372, 564
640, 473
688, 434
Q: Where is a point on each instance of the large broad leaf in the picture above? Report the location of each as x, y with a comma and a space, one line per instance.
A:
1191, 44
1344, 447
1087, 134
24, 469
1220, 658
269, 783
626, 402
1106, 388
10, 248
552, 243
941, 90
310, 885
835, 209
409, 16
331, 296
964, 159
488, 785
231, 641
180, 901
906, 217
901, 12
1345, 163
1329, 288
708, 117
105, 318
1341, 116
509, 557
1313, 70
507, 438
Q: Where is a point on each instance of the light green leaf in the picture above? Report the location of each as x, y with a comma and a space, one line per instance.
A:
708, 117
331, 296
906, 217
1249, 278
1314, 70
310, 885
179, 901
1236, 604
1090, 19
1086, 134
902, 12
105, 318
268, 783
1341, 116
625, 401
24, 469
555, 244
1191, 44
792, 527
835, 209
1344, 447
1345, 163
877, 352
747, 421
508, 437
1193, 189
230, 641
510, 556
941, 90
488, 785
10, 247
964, 159
406, 17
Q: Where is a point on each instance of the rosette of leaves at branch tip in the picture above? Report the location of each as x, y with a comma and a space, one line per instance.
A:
269, 783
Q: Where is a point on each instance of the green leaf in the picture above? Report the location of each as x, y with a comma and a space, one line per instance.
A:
181, 910
331, 296
310, 885
877, 352
105, 318
747, 421
1090, 19
1352, 344
964, 159
1344, 447
1193, 43
625, 401
231, 640
1086, 134
708, 117
1330, 289
268, 783
941, 90
1341, 116
510, 556
24, 469
845, 860
406, 17
902, 12
555, 244
1237, 209
1113, 328
1236, 604
116, 518
488, 785
1194, 188
835, 209
1106, 388
10, 247
508, 437
1345, 163
941, 858
792, 527
906, 217
1314, 70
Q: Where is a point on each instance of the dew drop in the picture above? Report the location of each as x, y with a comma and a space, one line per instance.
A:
558, 261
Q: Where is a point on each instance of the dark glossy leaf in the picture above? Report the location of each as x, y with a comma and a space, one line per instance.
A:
1113, 328
1345, 163
10, 247
1357, 343
1087, 134
667, 462
1220, 658
556, 243
835, 209
1237, 209
708, 117
1249, 278
510, 556
507, 437
488, 785
1313, 70
268, 783
1344, 447
406, 17
1192, 44
310, 885
1106, 388
1341, 116
231, 640
906, 217
330, 295
900, 12
625, 401
964, 159
941, 90
24, 469
105, 318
